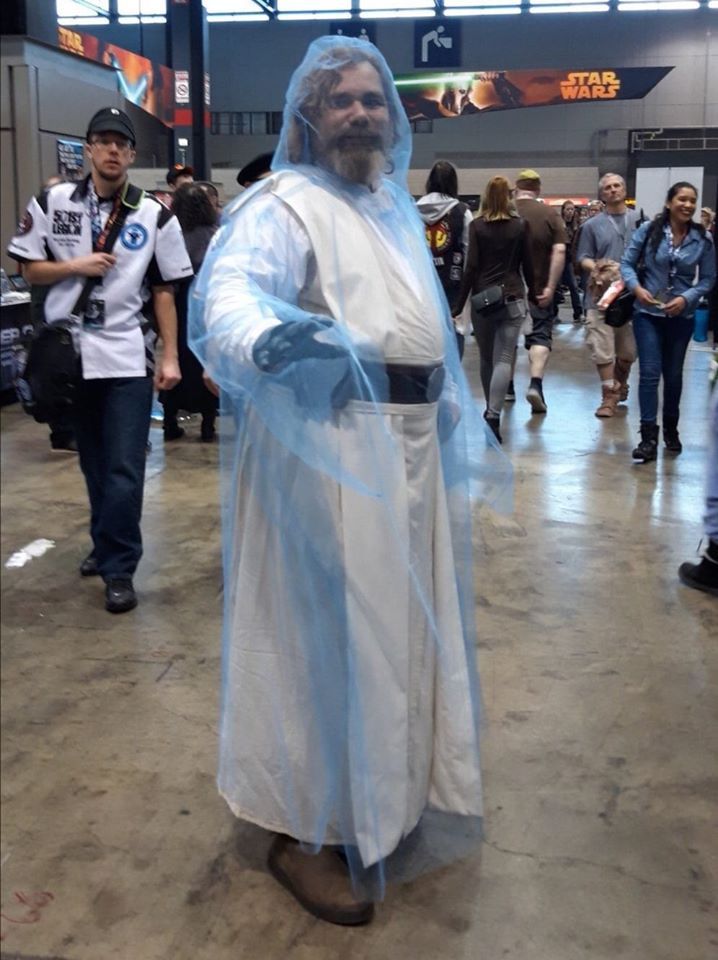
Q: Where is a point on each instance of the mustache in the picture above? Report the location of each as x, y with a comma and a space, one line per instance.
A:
348, 141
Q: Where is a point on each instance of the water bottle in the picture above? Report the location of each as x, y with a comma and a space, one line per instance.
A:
700, 329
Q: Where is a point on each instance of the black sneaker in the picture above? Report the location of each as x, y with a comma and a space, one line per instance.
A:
535, 397
704, 575
173, 432
120, 595
493, 423
701, 576
88, 567
510, 393
64, 446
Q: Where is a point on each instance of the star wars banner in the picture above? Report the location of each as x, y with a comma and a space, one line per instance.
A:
147, 84
446, 95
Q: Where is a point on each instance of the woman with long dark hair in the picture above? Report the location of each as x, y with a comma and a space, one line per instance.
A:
568, 277
499, 247
198, 216
447, 221
672, 248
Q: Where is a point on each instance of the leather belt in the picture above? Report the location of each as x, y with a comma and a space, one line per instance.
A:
404, 383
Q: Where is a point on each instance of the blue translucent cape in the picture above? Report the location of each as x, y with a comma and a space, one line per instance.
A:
350, 707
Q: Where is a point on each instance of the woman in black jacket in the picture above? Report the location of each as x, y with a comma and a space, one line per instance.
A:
568, 277
198, 218
499, 246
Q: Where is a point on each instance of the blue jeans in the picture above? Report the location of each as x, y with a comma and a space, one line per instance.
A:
662, 343
568, 279
111, 425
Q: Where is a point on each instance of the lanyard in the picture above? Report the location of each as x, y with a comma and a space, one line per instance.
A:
621, 233
99, 233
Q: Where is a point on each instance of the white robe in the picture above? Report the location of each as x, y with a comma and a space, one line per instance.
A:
407, 729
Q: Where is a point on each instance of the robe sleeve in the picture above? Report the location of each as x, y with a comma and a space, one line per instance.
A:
259, 260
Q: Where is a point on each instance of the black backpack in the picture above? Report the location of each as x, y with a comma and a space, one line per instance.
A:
48, 386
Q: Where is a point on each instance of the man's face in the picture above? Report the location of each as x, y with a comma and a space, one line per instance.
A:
352, 129
183, 178
613, 190
111, 155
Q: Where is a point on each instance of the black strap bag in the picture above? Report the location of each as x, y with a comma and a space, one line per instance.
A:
489, 299
49, 384
620, 311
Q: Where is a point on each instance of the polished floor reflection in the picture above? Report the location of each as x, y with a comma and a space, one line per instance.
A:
599, 682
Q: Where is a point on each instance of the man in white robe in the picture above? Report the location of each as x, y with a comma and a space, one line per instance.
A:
350, 700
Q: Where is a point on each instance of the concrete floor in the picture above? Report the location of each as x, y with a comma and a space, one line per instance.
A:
598, 674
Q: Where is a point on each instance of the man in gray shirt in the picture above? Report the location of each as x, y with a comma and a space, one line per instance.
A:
613, 349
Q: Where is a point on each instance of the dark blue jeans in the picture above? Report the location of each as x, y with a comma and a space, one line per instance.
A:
111, 425
568, 279
662, 343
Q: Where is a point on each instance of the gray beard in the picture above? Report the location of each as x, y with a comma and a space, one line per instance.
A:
357, 164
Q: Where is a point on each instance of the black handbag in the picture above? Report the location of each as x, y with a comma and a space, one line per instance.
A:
489, 299
620, 311
49, 384
493, 298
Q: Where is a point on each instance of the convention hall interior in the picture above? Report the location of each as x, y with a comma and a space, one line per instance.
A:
597, 664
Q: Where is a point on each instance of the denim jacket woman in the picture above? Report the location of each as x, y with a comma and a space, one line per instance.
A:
679, 269
670, 270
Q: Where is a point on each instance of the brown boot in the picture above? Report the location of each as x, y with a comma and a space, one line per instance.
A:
319, 882
623, 371
609, 401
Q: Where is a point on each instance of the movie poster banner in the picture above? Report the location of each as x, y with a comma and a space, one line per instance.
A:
149, 85
444, 95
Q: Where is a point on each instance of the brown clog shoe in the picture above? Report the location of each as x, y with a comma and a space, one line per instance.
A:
320, 882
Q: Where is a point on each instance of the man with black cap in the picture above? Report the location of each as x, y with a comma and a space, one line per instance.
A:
178, 175
62, 240
255, 170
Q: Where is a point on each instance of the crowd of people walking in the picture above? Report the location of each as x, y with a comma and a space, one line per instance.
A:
519, 253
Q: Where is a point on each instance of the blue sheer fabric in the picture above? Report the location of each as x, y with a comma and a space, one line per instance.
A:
350, 701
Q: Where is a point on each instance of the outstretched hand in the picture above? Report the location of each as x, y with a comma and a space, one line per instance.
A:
286, 343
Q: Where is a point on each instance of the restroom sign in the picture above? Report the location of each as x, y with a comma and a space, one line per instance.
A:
437, 43
362, 30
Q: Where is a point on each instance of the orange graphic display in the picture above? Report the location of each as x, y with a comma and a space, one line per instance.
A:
447, 95
147, 84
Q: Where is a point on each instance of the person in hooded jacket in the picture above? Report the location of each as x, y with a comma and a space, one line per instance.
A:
447, 222
198, 216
